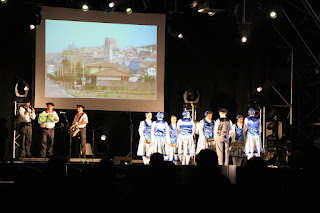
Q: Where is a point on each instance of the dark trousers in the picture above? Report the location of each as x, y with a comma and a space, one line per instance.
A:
25, 130
79, 143
47, 138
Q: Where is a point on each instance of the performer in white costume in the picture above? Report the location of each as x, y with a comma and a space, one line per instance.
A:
222, 133
159, 135
185, 142
237, 147
172, 149
252, 132
206, 136
145, 138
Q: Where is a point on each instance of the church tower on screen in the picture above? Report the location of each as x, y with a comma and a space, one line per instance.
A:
109, 46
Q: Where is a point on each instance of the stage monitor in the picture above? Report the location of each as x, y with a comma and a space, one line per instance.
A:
111, 62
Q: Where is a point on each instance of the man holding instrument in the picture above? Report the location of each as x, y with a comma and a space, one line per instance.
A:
80, 121
47, 120
26, 114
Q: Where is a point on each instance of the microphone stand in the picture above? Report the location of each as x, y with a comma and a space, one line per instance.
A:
70, 136
130, 154
93, 130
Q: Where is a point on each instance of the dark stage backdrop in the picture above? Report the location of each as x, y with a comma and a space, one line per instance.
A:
209, 58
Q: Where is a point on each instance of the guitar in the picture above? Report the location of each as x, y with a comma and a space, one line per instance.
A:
74, 130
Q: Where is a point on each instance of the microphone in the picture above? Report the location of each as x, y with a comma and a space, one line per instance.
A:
62, 112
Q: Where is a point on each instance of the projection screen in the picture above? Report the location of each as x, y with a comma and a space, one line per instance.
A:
111, 62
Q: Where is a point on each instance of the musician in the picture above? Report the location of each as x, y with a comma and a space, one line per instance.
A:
80, 121
185, 142
252, 132
25, 115
47, 131
222, 133
145, 138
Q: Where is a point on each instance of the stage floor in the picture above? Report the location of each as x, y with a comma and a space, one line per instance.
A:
80, 160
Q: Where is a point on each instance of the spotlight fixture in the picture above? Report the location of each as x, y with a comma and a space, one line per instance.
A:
273, 14
34, 18
210, 13
111, 4
180, 35
128, 10
194, 4
244, 39
3, 1
259, 89
109, 8
32, 27
85, 8
103, 137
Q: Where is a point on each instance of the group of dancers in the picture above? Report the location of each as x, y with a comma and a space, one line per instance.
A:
176, 141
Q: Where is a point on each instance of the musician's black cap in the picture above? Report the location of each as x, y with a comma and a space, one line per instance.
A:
49, 103
26, 100
79, 105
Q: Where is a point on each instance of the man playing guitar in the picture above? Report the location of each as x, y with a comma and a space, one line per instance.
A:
80, 121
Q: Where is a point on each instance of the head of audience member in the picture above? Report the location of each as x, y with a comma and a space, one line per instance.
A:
156, 159
207, 158
256, 163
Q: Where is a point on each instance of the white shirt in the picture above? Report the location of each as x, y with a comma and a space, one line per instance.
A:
201, 124
245, 126
216, 125
49, 125
83, 118
141, 127
167, 131
233, 131
179, 124
25, 115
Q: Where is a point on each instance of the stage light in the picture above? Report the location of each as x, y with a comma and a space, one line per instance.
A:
244, 39
32, 26
180, 36
194, 4
210, 13
109, 8
259, 89
85, 8
128, 10
273, 14
34, 17
111, 4
103, 137
21, 84
3, 1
